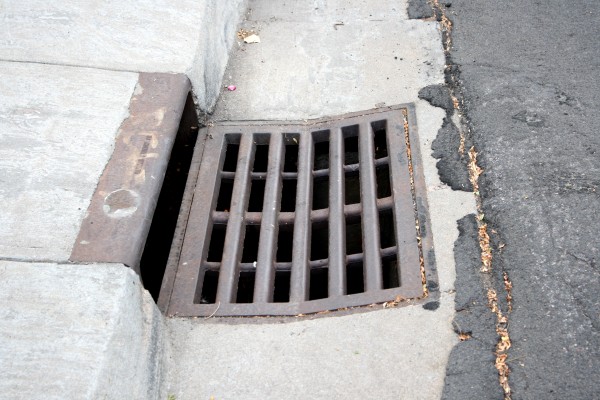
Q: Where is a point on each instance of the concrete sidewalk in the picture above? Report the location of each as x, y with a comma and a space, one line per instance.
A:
90, 331
67, 74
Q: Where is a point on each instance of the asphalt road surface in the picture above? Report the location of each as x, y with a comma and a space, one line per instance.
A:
529, 72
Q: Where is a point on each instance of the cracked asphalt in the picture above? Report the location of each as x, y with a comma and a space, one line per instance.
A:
528, 75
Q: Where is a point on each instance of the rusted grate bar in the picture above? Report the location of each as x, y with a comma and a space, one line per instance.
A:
370, 219
228, 279
293, 218
299, 284
337, 220
267, 247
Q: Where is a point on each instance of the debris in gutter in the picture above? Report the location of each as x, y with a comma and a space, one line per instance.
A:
252, 39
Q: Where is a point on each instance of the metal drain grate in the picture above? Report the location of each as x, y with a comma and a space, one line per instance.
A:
295, 218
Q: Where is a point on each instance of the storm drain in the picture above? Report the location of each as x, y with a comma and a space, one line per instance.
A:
294, 218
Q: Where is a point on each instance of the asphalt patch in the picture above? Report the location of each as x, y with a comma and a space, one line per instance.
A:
432, 305
438, 96
452, 165
419, 9
470, 373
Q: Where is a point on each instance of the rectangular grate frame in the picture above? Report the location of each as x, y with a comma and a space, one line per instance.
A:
303, 217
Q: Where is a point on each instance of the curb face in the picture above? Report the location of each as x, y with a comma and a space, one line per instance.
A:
120, 213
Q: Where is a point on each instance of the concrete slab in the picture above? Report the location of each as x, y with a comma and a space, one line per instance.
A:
134, 35
310, 69
307, 65
146, 36
327, 10
374, 355
77, 332
57, 131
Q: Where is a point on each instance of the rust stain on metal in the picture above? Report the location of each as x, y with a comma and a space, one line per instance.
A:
121, 209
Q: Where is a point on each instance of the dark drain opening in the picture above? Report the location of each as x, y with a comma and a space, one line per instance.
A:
225, 192
216, 243
387, 235
319, 250
319, 279
319, 242
160, 236
290, 163
285, 239
245, 291
285, 242
257, 196
321, 150
209, 288
231, 156
250, 249
288, 195
352, 189
351, 160
282, 287
261, 158
355, 281
354, 240
351, 145
390, 273
389, 264
383, 181
379, 133
320, 193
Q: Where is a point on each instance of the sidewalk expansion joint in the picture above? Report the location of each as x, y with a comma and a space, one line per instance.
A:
70, 65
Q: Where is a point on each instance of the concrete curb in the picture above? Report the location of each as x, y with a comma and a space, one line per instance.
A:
79, 332
189, 37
